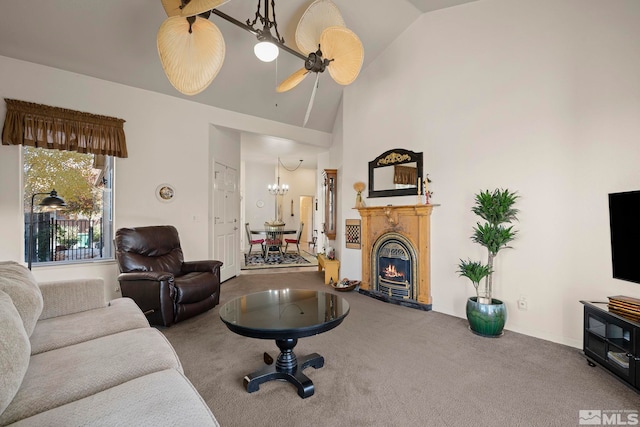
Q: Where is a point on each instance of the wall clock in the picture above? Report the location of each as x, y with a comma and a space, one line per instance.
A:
260, 204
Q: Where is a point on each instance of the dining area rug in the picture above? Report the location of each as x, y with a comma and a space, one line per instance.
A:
275, 260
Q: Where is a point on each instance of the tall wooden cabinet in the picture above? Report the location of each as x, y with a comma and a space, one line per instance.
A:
330, 199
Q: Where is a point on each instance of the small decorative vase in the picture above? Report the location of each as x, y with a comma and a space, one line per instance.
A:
331, 253
359, 187
486, 320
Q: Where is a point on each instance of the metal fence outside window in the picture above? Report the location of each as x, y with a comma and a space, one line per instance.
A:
64, 239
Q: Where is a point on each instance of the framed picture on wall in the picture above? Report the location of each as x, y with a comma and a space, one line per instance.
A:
353, 234
165, 192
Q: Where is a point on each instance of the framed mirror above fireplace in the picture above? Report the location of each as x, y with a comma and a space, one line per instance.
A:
395, 173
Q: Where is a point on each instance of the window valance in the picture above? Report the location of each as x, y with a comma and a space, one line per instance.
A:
43, 126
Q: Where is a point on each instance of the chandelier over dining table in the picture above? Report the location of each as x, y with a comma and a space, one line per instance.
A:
277, 189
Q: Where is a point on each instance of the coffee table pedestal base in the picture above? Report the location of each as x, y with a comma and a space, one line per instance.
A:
287, 367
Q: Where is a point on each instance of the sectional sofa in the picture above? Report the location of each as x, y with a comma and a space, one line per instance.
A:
69, 358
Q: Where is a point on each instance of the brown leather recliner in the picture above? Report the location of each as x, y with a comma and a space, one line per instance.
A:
154, 274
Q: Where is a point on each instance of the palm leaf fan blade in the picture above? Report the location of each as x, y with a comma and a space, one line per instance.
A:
292, 81
172, 7
191, 60
321, 14
344, 49
196, 7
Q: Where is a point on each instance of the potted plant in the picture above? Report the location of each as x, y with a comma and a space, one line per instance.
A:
486, 314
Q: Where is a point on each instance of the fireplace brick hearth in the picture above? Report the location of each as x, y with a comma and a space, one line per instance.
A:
411, 224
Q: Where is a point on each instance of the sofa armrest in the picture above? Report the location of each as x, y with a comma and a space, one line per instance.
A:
71, 296
212, 266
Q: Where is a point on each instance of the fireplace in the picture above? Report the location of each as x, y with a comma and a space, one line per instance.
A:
394, 267
396, 254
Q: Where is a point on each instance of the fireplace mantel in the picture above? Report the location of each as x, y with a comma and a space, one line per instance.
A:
411, 221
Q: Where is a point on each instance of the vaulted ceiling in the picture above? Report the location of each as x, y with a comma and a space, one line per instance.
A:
115, 40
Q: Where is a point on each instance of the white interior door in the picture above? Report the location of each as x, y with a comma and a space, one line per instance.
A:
226, 219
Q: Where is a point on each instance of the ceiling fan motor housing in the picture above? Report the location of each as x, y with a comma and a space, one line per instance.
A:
315, 62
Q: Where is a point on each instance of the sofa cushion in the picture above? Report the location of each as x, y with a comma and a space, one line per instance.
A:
164, 398
55, 378
14, 350
121, 314
71, 296
18, 282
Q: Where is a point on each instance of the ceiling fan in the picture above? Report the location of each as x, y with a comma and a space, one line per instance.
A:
338, 49
192, 48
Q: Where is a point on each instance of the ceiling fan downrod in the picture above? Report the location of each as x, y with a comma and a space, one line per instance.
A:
267, 24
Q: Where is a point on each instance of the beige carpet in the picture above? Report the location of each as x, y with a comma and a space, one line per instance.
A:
388, 365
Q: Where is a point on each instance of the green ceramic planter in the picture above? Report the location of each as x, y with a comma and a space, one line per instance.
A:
486, 319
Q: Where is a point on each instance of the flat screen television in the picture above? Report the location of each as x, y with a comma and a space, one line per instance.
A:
624, 220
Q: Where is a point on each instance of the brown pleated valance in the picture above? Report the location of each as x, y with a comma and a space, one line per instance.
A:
38, 125
405, 175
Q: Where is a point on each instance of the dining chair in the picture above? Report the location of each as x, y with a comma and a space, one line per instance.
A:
296, 240
253, 241
274, 240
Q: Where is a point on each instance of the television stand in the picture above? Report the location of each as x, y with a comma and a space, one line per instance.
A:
612, 341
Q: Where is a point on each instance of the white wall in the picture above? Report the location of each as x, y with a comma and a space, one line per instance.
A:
302, 182
256, 178
168, 140
538, 96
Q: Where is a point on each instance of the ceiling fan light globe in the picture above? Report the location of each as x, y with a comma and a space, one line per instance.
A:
266, 51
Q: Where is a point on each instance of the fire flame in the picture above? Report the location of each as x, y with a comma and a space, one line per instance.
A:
391, 272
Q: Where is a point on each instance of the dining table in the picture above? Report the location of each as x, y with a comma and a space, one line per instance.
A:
273, 233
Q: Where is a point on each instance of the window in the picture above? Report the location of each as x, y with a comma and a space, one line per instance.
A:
82, 231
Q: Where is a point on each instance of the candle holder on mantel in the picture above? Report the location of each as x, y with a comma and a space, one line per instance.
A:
427, 193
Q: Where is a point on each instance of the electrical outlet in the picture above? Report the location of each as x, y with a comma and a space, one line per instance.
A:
117, 289
522, 303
